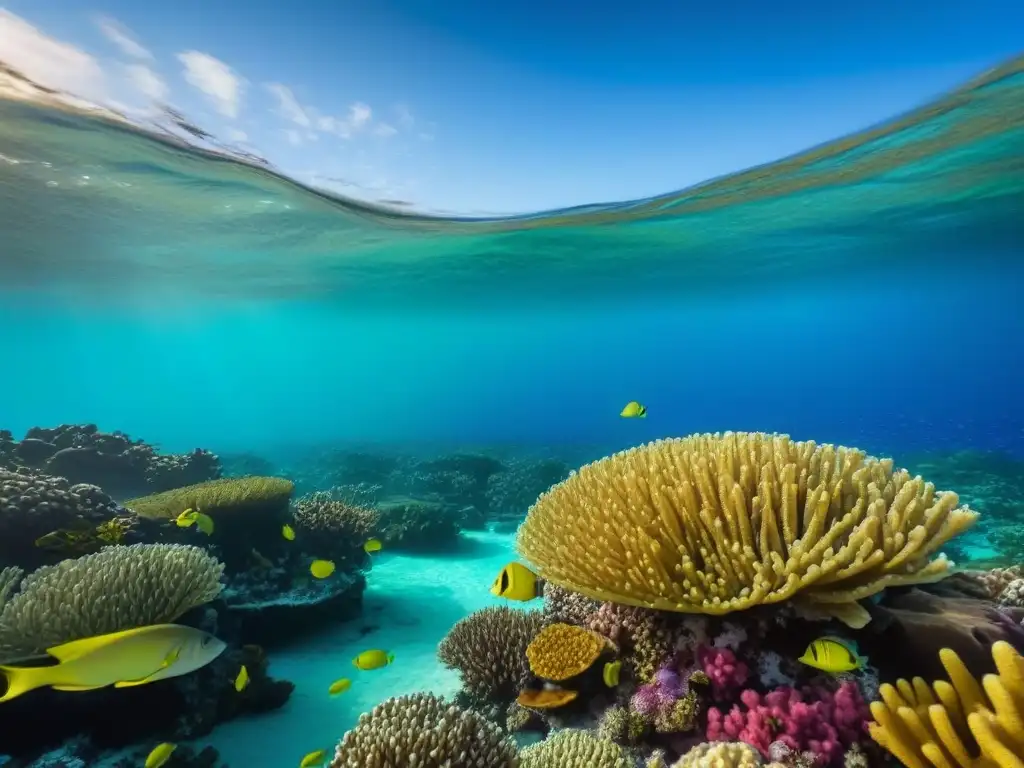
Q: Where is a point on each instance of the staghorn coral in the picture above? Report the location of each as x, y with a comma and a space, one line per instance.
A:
720, 755
227, 495
426, 731
574, 748
321, 513
561, 651
114, 589
962, 722
716, 523
488, 648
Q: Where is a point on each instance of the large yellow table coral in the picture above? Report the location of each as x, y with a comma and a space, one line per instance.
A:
956, 724
719, 523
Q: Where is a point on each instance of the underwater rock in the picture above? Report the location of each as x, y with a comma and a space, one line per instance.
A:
271, 616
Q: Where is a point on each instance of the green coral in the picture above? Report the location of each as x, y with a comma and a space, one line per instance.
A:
231, 495
574, 748
114, 589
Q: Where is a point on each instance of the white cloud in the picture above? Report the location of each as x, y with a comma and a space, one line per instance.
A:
293, 136
215, 79
48, 61
385, 130
359, 115
288, 105
148, 82
119, 35
405, 118
234, 134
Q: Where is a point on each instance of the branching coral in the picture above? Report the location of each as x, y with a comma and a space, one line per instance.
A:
561, 651
719, 523
321, 513
488, 648
573, 748
114, 589
957, 723
647, 635
225, 495
425, 731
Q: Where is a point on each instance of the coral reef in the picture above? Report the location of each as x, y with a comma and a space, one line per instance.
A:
418, 524
123, 467
114, 589
720, 523
721, 755
561, 651
489, 649
425, 731
224, 496
962, 722
334, 527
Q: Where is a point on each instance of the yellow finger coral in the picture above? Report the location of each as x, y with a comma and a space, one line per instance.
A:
720, 523
956, 723
225, 495
573, 748
561, 651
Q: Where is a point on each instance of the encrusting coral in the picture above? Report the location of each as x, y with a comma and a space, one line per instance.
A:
114, 589
425, 731
574, 748
225, 495
960, 723
715, 523
561, 651
488, 648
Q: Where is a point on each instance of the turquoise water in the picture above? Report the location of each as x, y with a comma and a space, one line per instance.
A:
865, 292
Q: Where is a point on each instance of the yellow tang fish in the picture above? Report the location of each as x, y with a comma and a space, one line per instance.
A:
374, 659
610, 673
288, 532
833, 655
339, 686
634, 410
242, 680
161, 754
314, 759
204, 523
372, 545
186, 518
516, 582
321, 569
121, 659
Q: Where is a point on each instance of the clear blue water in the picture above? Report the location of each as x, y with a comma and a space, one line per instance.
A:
865, 292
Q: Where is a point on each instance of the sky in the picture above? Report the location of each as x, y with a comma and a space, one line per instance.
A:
482, 108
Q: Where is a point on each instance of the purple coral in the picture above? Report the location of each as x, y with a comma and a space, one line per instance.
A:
726, 673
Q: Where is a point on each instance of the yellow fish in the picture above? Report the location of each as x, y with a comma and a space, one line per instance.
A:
516, 582
339, 686
374, 659
288, 532
161, 754
186, 518
610, 673
372, 545
121, 659
204, 523
634, 410
833, 655
242, 680
321, 569
313, 759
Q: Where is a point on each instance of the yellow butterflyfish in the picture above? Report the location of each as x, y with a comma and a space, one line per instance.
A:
121, 659
314, 759
372, 545
288, 532
833, 655
161, 754
321, 569
373, 659
242, 679
339, 686
634, 410
516, 582
186, 518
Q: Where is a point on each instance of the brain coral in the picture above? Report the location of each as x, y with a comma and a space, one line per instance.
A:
488, 647
425, 731
723, 522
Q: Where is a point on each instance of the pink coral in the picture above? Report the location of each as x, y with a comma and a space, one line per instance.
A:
726, 673
811, 719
